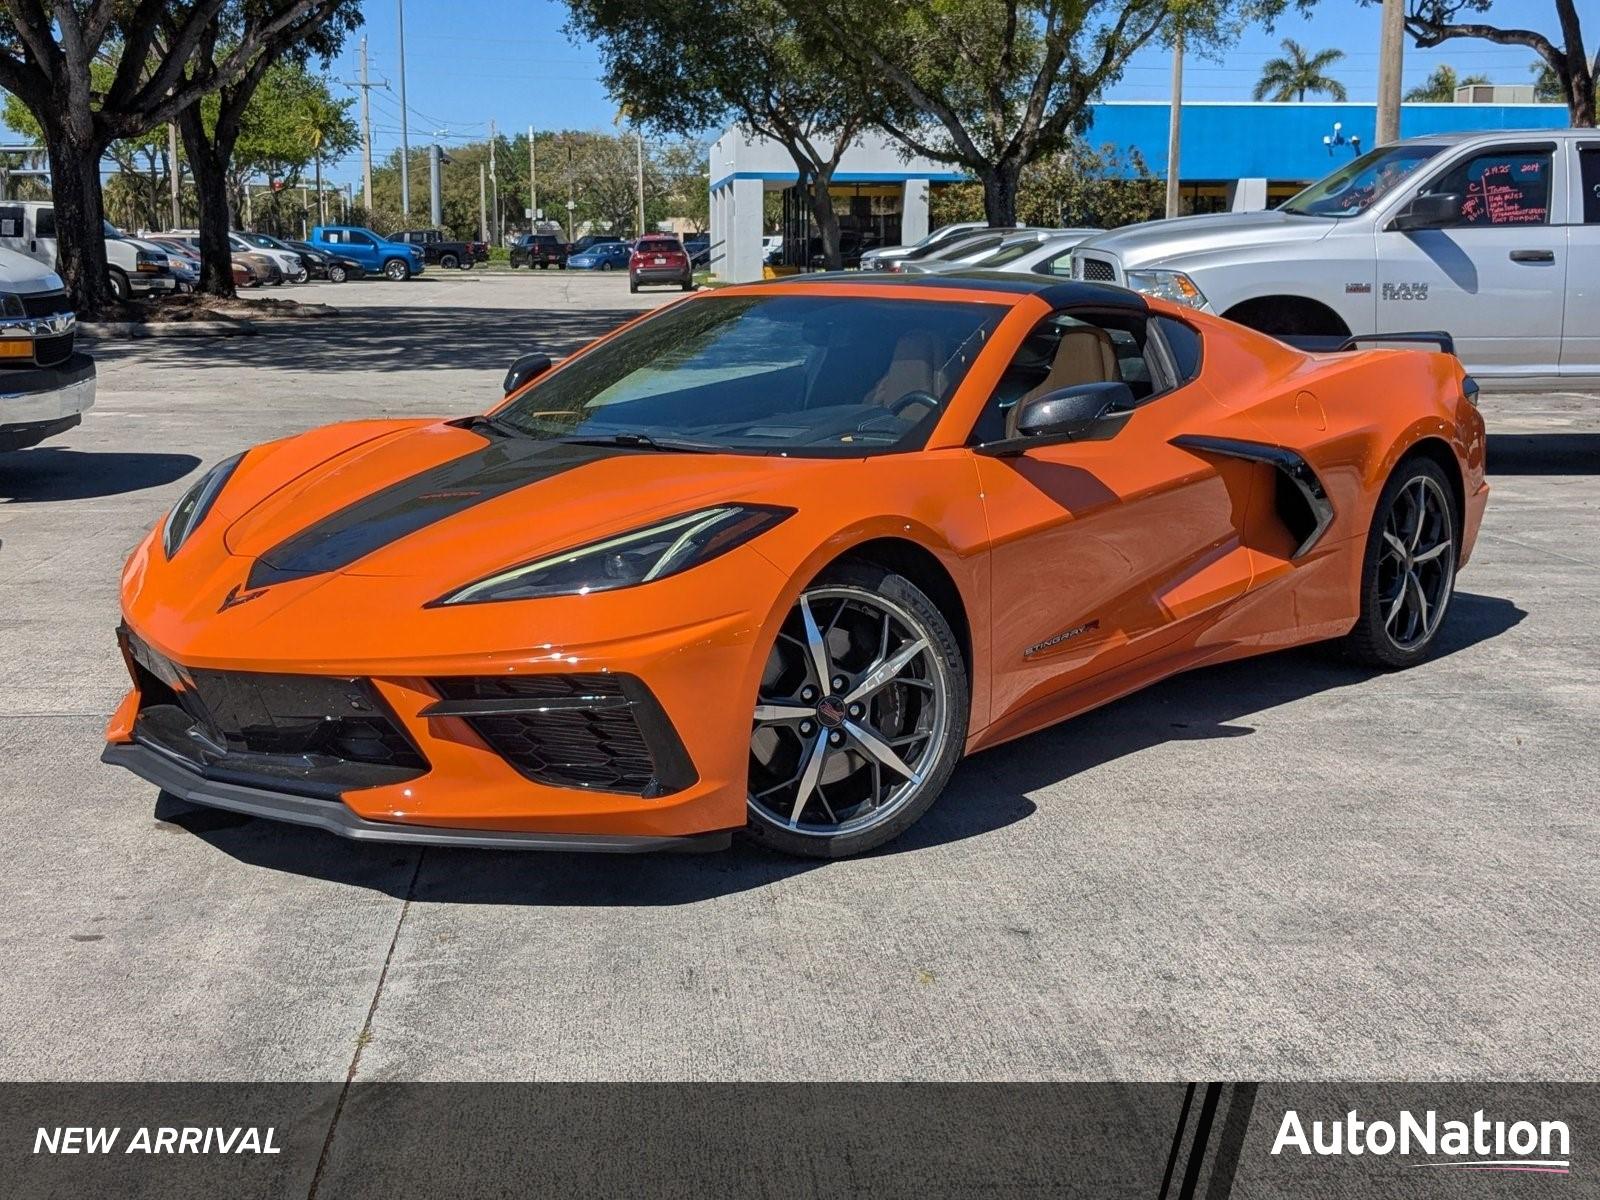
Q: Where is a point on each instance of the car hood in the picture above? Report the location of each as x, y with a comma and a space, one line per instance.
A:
435, 501
1154, 242
19, 273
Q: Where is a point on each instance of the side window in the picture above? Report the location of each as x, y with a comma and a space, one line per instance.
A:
1589, 174
44, 222
356, 238
1058, 264
1501, 187
1183, 346
1068, 349
10, 220
336, 236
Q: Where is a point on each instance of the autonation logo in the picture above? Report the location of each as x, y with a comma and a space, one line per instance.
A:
1480, 1144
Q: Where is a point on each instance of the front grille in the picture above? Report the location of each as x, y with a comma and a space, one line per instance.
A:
48, 351
315, 734
1097, 270
44, 304
599, 731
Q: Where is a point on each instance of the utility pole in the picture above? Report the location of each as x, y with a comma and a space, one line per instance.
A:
483, 207
640, 137
494, 186
1391, 51
405, 134
176, 173
435, 187
366, 130
1174, 127
572, 200
533, 183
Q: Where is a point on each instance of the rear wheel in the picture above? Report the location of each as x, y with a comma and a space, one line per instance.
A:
1409, 572
861, 716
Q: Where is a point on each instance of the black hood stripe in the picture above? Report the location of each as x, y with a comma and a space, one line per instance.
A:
401, 509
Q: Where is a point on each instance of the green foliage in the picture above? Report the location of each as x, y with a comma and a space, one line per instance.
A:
1077, 186
1299, 72
1440, 87
292, 118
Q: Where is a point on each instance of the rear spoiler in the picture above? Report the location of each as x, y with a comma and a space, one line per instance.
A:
1436, 338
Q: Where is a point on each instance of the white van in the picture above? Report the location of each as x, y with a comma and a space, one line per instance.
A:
46, 382
132, 267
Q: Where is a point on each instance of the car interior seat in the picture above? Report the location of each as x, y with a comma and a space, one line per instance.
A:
1084, 355
914, 367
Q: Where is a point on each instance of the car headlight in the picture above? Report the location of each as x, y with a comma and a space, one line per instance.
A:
188, 512
1168, 285
629, 559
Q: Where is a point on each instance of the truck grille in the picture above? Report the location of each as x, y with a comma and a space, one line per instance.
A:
48, 351
1096, 270
599, 731
44, 304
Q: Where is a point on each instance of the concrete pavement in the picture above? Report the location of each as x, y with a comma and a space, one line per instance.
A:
1283, 868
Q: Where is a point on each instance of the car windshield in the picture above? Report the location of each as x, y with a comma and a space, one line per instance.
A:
1360, 184
806, 375
1009, 254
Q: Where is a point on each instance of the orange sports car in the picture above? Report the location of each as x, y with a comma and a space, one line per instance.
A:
774, 558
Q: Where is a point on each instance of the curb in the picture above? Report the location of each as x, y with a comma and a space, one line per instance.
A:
138, 330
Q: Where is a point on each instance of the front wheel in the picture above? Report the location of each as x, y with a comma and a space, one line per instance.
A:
1409, 572
449, 262
397, 270
301, 276
861, 716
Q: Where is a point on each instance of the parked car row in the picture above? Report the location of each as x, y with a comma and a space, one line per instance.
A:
657, 258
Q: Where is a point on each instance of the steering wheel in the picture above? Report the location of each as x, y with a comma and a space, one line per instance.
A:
919, 396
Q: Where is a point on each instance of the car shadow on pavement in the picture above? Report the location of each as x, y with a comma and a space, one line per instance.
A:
392, 339
1564, 453
48, 473
989, 792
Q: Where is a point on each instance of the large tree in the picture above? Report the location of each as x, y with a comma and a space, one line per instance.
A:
211, 131
1432, 22
48, 49
686, 66
1299, 72
993, 85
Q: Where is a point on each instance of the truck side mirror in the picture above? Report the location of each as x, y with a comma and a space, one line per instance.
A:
528, 367
1432, 210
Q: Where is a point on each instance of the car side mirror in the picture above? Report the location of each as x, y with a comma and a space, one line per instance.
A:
1430, 211
1070, 412
528, 367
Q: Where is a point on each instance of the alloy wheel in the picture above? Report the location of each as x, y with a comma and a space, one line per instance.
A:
853, 710
1416, 563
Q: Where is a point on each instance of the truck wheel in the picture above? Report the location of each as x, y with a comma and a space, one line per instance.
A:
633, 287
397, 269
449, 262
337, 273
120, 288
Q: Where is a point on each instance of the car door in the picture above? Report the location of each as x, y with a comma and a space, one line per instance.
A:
30, 230
1580, 329
362, 247
1103, 550
1495, 278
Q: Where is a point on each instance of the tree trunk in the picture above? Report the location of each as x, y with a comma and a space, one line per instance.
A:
1000, 192
827, 220
80, 214
208, 163
1581, 96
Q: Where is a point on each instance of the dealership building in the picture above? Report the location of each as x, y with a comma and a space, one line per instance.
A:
1235, 156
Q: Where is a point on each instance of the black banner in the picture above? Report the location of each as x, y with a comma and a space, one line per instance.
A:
1103, 1141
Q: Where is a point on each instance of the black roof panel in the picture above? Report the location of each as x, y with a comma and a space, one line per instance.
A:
1058, 293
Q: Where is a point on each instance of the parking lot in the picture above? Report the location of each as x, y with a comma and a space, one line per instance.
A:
1281, 868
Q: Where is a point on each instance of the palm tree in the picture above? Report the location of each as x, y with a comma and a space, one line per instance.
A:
1291, 77
1440, 87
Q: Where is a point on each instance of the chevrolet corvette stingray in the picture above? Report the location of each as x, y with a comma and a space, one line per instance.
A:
774, 558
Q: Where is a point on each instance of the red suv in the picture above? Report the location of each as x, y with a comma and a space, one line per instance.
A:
660, 259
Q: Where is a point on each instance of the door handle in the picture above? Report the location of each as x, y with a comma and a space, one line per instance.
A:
1533, 256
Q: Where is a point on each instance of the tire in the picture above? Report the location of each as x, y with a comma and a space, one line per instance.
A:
301, 276
121, 289
633, 287
449, 262
688, 285
337, 273
607, 266
544, 266
1408, 571
515, 265
561, 266
803, 741
397, 270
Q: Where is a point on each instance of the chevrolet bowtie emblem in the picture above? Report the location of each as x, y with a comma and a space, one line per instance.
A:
236, 597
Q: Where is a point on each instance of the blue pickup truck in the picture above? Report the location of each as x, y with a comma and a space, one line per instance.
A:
396, 260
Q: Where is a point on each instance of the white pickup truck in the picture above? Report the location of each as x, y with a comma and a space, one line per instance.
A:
46, 383
1491, 237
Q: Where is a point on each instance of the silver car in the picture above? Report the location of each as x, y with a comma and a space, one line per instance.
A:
1050, 254
964, 251
880, 258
